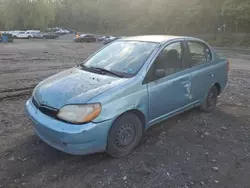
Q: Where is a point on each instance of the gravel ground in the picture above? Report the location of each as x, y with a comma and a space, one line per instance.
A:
190, 150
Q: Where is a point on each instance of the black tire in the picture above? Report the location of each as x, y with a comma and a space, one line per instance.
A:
29, 37
124, 135
211, 100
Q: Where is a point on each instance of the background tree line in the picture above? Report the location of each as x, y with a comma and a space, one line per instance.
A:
128, 16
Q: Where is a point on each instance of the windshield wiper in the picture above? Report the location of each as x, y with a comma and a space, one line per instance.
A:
101, 70
82, 66
106, 71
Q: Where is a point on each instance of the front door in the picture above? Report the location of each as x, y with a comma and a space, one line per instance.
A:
169, 83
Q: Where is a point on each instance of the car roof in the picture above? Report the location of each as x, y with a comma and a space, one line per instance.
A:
157, 38
151, 38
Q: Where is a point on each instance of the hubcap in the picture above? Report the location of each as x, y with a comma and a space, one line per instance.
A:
125, 136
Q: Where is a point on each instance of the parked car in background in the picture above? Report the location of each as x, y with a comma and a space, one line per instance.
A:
22, 35
33, 31
37, 35
62, 32
49, 30
72, 31
110, 39
50, 35
9, 32
109, 101
102, 38
85, 38
14, 33
54, 29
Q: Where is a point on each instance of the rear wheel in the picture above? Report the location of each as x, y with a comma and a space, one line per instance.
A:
29, 37
211, 100
124, 135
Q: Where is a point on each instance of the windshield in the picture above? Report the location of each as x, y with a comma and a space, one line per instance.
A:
122, 56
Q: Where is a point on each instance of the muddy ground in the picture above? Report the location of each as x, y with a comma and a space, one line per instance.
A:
189, 150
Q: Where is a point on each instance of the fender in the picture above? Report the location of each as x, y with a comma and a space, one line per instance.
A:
131, 95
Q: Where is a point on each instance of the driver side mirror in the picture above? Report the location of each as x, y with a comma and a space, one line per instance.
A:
160, 73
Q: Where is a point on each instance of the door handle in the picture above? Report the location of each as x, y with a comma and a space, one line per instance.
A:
211, 75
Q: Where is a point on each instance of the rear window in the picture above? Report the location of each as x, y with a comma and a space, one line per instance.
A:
199, 53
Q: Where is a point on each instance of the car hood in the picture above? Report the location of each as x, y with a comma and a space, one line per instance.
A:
73, 86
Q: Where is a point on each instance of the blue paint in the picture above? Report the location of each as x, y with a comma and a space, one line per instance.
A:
156, 100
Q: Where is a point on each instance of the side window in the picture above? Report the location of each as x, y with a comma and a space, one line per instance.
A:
168, 62
199, 53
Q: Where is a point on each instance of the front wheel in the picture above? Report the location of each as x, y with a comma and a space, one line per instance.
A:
124, 135
211, 100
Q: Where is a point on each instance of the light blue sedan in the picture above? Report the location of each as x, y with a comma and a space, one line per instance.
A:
111, 99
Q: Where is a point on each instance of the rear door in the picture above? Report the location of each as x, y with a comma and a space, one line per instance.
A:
202, 69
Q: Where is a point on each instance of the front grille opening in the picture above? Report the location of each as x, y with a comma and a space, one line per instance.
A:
45, 109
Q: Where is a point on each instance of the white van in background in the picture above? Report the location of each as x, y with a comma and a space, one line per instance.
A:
22, 35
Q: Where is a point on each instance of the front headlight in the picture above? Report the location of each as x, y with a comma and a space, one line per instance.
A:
79, 113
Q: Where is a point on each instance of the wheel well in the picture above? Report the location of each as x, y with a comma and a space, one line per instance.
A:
217, 85
139, 114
